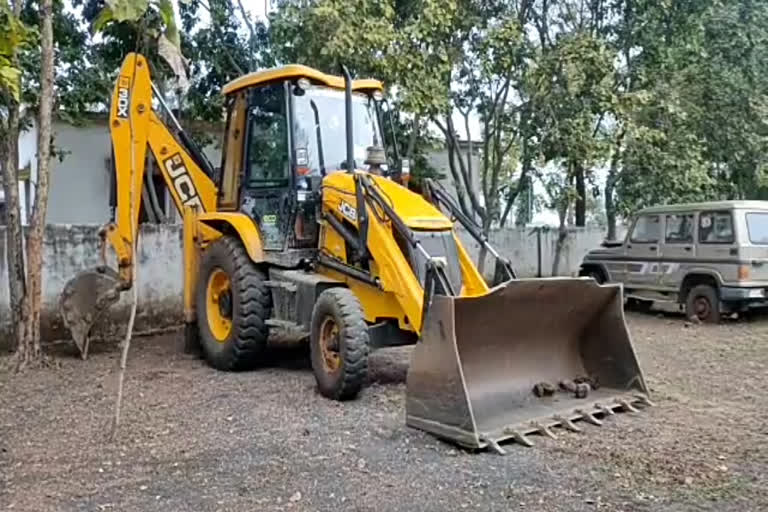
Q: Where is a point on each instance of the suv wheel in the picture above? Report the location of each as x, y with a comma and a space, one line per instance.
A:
703, 303
594, 274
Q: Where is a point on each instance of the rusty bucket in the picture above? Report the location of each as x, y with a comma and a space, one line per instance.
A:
530, 355
84, 299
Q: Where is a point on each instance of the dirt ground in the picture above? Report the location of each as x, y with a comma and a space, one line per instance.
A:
200, 440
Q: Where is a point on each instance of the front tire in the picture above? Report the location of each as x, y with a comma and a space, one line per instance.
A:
233, 304
339, 344
703, 303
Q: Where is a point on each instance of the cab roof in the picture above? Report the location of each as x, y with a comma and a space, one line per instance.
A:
296, 71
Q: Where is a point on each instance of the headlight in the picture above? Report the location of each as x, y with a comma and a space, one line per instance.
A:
757, 293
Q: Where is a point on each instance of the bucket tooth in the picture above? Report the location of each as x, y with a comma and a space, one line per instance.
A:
626, 405
543, 429
567, 423
519, 437
589, 417
605, 409
644, 400
494, 445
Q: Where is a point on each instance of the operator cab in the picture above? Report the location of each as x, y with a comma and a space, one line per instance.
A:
285, 131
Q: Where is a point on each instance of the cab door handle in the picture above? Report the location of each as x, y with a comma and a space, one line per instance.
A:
652, 248
688, 249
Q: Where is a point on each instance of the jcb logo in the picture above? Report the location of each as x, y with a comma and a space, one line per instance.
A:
182, 182
348, 211
123, 103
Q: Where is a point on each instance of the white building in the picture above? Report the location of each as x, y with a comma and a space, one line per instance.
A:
81, 179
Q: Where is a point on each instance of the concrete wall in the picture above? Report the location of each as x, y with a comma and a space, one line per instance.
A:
520, 245
69, 249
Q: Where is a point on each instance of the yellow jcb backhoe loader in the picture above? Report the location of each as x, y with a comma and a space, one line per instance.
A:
291, 231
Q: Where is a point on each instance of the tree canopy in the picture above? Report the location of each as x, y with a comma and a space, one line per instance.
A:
661, 101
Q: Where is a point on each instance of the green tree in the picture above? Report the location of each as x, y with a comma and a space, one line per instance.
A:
15, 39
692, 95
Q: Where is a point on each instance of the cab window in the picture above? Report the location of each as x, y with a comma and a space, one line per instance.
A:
678, 229
716, 228
267, 161
647, 229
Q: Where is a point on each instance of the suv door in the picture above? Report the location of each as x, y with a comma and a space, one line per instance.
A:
756, 252
643, 251
717, 247
678, 248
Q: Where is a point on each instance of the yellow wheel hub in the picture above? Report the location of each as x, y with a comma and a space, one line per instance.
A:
219, 305
329, 344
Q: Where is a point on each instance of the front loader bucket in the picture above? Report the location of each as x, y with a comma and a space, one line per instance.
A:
84, 299
530, 355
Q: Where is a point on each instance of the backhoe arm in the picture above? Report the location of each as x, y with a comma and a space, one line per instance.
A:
134, 126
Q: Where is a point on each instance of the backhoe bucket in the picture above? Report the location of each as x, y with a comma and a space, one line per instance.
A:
530, 355
84, 299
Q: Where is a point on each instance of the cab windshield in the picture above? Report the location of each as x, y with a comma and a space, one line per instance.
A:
318, 114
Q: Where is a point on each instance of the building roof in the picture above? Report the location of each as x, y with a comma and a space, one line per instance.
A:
297, 71
711, 205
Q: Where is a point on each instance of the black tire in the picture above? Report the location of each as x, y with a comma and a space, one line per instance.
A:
250, 303
345, 376
703, 303
595, 274
639, 305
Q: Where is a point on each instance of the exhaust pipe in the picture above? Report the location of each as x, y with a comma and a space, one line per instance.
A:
348, 118
362, 215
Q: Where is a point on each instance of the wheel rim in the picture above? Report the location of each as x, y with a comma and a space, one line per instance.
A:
702, 307
219, 305
329, 344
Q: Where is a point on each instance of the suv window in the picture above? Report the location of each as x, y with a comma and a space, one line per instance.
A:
716, 228
757, 225
647, 229
679, 229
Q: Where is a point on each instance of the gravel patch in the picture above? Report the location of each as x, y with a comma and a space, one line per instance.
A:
200, 440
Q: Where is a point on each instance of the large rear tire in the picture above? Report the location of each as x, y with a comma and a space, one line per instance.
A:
339, 344
233, 304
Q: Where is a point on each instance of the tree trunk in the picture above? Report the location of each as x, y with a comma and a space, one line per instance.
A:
562, 236
413, 136
581, 200
14, 242
610, 187
610, 207
523, 189
483, 251
30, 350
